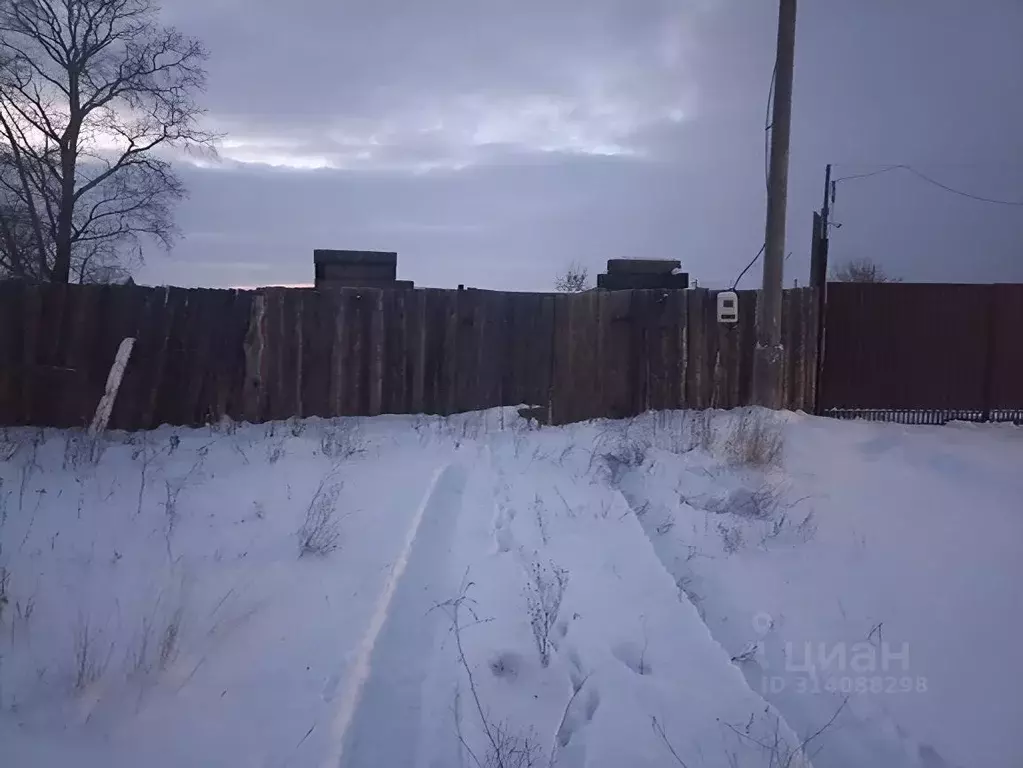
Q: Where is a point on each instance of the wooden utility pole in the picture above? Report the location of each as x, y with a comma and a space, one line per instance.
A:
821, 230
767, 361
826, 207
819, 279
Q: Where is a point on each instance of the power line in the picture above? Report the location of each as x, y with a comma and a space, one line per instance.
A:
736, 283
866, 175
959, 192
1002, 163
929, 180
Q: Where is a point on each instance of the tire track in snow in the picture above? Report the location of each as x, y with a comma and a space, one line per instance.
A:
785, 727
855, 740
369, 727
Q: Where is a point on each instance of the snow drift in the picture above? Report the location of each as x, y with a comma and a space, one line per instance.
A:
701, 589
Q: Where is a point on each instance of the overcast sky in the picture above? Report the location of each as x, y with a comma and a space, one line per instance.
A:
492, 142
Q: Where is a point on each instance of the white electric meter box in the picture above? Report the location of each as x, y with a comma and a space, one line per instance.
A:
728, 307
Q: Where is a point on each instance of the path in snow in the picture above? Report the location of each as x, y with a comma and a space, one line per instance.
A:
899, 513
854, 739
380, 716
624, 641
615, 660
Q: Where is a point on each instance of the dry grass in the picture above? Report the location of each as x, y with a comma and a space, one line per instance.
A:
681, 432
341, 439
9, 445
732, 538
775, 751
755, 439
544, 593
90, 659
81, 449
156, 644
275, 448
320, 533
5, 583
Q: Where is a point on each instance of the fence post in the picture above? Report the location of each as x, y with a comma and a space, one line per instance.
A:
106, 403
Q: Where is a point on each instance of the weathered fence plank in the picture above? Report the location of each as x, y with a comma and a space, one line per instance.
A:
698, 365
490, 321
434, 330
272, 357
30, 354
352, 344
334, 330
374, 351
256, 374
415, 333
11, 365
615, 317
166, 397
788, 340
137, 398
464, 382
640, 357
747, 336
563, 406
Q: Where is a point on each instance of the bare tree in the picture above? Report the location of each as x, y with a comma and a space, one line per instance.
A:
16, 237
93, 94
575, 279
863, 271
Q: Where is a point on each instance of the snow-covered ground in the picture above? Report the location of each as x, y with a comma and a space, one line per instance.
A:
742, 589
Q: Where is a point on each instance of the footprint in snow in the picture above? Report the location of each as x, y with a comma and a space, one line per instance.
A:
580, 712
633, 656
505, 540
502, 532
506, 665
330, 687
575, 670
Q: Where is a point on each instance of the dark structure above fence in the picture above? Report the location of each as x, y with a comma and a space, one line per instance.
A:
357, 269
633, 274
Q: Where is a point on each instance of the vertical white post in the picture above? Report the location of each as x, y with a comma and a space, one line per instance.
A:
106, 403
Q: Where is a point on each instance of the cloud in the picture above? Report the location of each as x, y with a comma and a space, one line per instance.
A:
465, 131
491, 142
443, 84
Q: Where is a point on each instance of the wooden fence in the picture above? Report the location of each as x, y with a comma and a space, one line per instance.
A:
276, 353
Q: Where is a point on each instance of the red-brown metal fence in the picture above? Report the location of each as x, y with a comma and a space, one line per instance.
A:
923, 352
